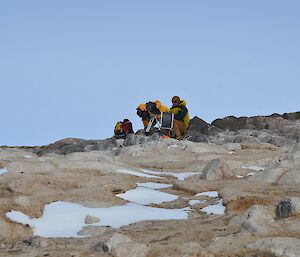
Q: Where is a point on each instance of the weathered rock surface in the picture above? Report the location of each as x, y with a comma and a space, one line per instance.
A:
216, 169
252, 168
257, 219
120, 245
277, 247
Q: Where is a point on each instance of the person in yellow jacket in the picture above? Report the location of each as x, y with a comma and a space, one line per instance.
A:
181, 117
144, 111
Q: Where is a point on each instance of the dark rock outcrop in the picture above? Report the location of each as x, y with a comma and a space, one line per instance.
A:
70, 145
199, 130
285, 208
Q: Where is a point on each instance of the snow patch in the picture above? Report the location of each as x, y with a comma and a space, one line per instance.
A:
145, 196
64, 219
217, 208
2, 171
209, 194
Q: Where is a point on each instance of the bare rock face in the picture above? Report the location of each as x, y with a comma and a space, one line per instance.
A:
71, 145
256, 219
120, 246
285, 208
216, 170
290, 178
277, 247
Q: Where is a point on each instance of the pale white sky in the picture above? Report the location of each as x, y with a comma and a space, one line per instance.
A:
73, 68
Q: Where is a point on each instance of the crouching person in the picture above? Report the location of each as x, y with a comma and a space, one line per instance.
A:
152, 108
181, 118
123, 128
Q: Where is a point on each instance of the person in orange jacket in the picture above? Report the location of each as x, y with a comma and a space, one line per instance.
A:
145, 110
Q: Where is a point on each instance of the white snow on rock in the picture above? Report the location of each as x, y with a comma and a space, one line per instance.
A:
27, 156
145, 196
154, 185
193, 202
64, 219
136, 173
253, 167
217, 208
179, 176
183, 175
2, 171
209, 194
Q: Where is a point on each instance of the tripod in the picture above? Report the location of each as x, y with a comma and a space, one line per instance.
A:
153, 118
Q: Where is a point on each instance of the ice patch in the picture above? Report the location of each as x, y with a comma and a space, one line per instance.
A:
253, 167
179, 176
209, 194
136, 173
193, 202
217, 208
63, 219
154, 185
145, 196
2, 171
28, 156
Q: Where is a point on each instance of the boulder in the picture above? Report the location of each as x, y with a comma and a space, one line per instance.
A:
269, 176
276, 247
133, 139
290, 178
257, 219
90, 219
120, 246
216, 170
71, 145
285, 208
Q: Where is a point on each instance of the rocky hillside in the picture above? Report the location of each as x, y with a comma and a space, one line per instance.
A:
230, 189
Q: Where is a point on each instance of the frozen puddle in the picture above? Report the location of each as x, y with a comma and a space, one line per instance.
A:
154, 185
2, 171
217, 208
136, 173
64, 219
145, 196
179, 176
209, 194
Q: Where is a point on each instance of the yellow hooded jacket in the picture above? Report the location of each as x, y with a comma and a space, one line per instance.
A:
181, 113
